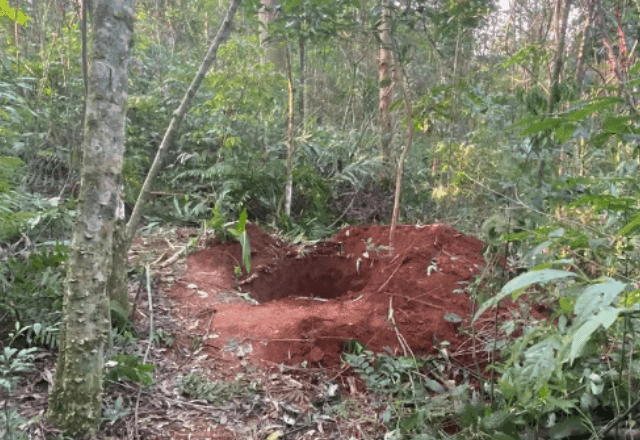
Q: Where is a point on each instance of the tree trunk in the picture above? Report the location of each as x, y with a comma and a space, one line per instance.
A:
275, 50
302, 84
584, 44
385, 89
120, 252
288, 191
118, 284
408, 114
554, 90
76, 398
561, 30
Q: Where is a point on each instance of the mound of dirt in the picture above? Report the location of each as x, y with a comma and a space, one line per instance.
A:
311, 300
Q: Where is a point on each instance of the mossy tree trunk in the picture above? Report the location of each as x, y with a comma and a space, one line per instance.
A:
76, 398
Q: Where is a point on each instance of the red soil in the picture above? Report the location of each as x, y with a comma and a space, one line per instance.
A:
315, 299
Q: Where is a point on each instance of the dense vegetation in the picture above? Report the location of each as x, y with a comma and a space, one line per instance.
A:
525, 121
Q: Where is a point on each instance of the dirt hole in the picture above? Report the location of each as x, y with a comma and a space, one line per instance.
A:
310, 276
423, 281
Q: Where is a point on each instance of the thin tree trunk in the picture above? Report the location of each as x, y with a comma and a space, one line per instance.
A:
385, 88
408, 114
584, 44
275, 50
554, 96
554, 91
301, 93
290, 139
76, 398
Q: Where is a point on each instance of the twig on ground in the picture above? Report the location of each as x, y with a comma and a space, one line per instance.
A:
401, 340
426, 303
146, 354
174, 258
389, 279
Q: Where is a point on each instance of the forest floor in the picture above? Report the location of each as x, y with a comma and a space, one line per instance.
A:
266, 347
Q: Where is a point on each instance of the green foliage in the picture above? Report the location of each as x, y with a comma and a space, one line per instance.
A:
12, 221
9, 166
515, 287
13, 363
129, 367
196, 384
120, 320
32, 290
415, 404
161, 336
113, 413
238, 232
553, 372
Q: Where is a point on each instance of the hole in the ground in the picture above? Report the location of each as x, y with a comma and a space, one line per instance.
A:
318, 276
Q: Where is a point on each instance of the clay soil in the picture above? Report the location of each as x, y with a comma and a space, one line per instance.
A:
300, 305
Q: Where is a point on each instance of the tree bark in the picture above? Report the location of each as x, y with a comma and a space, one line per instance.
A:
302, 83
554, 96
584, 44
408, 114
275, 50
118, 281
288, 191
76, 398
385, 89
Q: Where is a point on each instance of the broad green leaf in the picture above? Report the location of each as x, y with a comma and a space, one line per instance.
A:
497, 420
539, 362
605, 318
568, 427
535, 277
520, 283
566, 304
578, 115
543, 125
564, 132
617, 124
242, 222
595, 297
434, 386
246, 250
632, 226
176, 205
605, 201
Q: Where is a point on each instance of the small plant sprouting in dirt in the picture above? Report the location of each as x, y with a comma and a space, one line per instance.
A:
197, 385
129, 367
196, 343
237, 271
163, 337
239, 232
115, 412
371, 246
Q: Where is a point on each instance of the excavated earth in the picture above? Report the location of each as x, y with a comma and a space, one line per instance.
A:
301, 304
